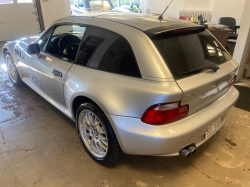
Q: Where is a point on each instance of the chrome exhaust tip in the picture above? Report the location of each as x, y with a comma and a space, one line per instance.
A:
192, 149
185, 152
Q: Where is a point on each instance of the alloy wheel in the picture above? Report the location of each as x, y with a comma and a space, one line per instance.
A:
93, 133
11, 68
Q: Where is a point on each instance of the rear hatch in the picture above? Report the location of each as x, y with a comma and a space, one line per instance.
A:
201, 66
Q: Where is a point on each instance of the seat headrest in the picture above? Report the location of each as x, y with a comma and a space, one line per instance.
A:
71, 50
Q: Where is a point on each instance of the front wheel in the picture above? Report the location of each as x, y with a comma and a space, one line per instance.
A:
12, 70
97, 135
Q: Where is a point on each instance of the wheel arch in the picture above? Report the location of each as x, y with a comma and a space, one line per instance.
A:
80, 99
9, 47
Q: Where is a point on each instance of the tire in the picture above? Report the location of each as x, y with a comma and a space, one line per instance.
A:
87, 115
15, 79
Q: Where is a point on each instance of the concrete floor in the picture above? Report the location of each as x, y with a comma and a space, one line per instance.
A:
39, 146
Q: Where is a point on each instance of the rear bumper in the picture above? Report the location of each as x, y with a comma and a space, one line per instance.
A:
138, 138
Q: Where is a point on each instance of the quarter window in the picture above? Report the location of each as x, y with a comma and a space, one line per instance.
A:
119, 58
87, 49
108, 51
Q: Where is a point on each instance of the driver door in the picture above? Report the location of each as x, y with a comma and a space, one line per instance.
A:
49, 71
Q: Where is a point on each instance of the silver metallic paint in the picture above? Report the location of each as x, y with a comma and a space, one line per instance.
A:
118, 94
136, 137
42, 69
124, 99
202, 83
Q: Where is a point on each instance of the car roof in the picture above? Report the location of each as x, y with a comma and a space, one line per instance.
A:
149, 24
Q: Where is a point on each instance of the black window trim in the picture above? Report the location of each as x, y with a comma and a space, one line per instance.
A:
91, 27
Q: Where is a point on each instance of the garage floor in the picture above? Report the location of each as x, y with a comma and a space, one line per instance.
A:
39, 146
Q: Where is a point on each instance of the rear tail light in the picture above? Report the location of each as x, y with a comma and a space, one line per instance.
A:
160, 114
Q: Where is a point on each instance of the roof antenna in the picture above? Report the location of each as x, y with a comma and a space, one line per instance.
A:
161, 16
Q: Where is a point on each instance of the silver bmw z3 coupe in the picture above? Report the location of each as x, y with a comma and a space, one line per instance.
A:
132, 83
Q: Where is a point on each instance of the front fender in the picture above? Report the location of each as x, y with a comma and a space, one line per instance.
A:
10, 46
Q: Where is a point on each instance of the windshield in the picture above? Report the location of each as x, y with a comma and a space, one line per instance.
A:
185, 52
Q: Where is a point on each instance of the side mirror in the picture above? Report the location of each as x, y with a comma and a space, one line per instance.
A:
33, 49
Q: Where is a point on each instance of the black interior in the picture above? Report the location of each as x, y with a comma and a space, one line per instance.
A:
87, 50
64, 45
119, 58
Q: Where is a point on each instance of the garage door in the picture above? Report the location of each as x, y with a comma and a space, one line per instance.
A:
18, 18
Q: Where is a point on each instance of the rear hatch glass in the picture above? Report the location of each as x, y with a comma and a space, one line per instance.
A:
185, 52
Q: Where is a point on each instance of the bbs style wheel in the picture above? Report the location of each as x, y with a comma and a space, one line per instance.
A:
97, 135
12, 70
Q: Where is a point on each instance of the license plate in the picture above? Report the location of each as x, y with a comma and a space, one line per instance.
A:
213, 128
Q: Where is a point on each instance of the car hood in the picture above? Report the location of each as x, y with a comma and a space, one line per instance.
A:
28, 39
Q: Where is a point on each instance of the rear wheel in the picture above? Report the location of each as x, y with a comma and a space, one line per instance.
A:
97, 135
12, 70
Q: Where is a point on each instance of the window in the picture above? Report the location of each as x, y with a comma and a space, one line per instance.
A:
65, 41
94, 5
114, 2
119, 58
185, 52
108, 51
127, 2
87, 50
44, 39
24, 1
99, 5
6, 1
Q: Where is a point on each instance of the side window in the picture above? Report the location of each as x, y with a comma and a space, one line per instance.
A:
44, 39
108, 51
65, 41
119, 58
87, 49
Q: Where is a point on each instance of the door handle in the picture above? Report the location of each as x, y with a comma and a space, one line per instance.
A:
57, 73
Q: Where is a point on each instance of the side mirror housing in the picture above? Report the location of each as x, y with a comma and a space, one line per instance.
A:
33, 49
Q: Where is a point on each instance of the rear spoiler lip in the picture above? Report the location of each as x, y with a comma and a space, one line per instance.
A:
161, 30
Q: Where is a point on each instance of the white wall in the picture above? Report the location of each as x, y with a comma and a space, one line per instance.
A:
18, 19
242, 49
54, 9
228, 8
220, 8
158, 6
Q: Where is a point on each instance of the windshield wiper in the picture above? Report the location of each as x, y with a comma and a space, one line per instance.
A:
215, 68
